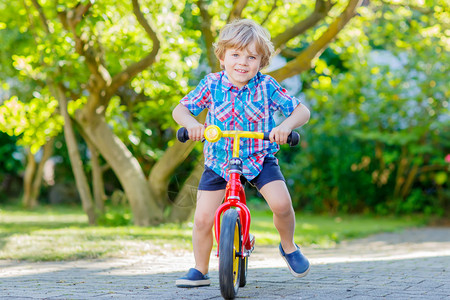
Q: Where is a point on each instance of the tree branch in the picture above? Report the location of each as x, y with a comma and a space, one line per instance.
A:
304, 60
208, 34
76, 14
236, 11
70, 19
321, 10
100, 75
44, 20
274, 6
433, 168
134, 69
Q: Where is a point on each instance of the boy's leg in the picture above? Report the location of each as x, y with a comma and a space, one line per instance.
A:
202, 238
202, 235
279, 200
277, 197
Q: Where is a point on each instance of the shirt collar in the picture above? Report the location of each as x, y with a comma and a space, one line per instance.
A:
251, 85
226, 83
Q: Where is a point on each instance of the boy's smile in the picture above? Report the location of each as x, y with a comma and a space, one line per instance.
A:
241, 65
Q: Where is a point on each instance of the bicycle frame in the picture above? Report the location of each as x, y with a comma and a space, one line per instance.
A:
234, 195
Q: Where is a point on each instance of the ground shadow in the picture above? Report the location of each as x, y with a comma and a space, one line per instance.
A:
390, 279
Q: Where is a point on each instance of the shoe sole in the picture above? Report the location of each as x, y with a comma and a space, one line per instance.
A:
184, 283
295, 274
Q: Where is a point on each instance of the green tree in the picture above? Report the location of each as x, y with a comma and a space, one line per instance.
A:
95, 54
381, 127
36, 126
10, 166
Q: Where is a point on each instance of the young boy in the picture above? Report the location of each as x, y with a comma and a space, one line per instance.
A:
241, 98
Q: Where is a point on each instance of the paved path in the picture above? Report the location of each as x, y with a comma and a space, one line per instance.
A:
412, 264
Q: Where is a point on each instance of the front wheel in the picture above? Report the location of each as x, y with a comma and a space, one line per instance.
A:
230, 249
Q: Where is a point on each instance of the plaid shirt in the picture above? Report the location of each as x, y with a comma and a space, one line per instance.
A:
251, 109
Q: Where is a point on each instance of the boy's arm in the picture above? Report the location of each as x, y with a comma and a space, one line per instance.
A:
183, 117
298, 117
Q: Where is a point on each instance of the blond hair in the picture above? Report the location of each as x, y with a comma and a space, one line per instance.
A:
241, 33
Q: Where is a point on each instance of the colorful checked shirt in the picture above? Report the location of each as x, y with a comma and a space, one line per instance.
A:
250, 108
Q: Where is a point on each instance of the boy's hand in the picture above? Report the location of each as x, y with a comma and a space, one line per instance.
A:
298, 117
183, 116
196, 132
280, 134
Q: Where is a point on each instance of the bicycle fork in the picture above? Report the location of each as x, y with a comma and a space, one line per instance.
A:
235, 198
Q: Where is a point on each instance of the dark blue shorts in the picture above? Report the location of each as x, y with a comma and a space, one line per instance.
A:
210, 181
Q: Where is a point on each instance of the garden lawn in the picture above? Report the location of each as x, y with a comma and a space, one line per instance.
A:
62, 233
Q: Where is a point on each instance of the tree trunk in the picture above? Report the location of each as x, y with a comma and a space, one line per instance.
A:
186, 199
97, 178
37, 182
163, 170
126, 167
409, 181
400, 177
28, 179
75, 160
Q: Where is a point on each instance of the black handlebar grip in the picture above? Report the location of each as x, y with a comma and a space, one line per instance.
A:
293, 139
182, 135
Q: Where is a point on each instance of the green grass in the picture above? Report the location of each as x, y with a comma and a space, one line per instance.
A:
325, 231
62, 233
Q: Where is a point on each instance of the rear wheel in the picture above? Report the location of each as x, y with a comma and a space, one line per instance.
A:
230, 249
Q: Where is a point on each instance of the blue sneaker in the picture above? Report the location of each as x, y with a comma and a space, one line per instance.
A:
193, 278
297, 263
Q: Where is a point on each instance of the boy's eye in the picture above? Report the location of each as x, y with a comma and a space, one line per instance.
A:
252, 57
235, 55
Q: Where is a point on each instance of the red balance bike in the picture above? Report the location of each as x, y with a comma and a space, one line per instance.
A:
232, 218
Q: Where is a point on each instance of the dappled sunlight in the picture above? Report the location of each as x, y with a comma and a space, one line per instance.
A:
66, 218
409, 244
171, 260
366, 257
394, 265
63, 234
90, 243
414, 244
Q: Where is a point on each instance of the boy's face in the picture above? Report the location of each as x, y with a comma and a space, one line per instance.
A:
241, 65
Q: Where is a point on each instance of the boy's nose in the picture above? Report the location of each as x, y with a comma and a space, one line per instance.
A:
243, 62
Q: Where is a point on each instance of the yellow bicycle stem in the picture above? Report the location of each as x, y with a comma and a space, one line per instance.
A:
213, 134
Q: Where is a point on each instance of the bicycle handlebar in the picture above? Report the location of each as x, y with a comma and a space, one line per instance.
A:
293, 138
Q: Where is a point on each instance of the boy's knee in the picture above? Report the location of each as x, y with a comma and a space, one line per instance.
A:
282, 209
203, 221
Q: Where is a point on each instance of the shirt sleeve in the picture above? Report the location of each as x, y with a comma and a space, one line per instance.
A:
281, 100
198, 99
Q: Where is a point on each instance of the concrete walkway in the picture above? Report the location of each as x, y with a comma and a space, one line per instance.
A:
412, 264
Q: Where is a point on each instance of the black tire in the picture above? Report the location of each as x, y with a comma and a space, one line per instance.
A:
230, 245
243, 272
